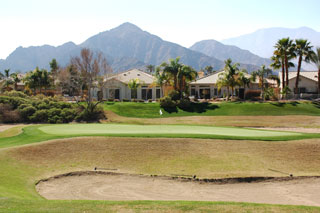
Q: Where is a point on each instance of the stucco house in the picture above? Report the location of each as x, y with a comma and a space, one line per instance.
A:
308, 83
116, 86
206, 87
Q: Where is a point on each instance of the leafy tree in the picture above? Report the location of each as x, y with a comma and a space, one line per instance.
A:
315, 58
38, 79
172, 70
208, 70
54, 68
7, 80
304, 51
150, 68
262, 74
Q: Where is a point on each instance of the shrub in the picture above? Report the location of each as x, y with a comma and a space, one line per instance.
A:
111, 99
68, 115
15, 102
150, 100
125, 100
140, 101
253, 94
14, 93
167, 102
11, 117
184, 104
174, 95
40, 116
90, 115
26, 110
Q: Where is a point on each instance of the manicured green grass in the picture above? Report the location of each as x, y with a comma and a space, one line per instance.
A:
123, 129
38, 133
151, 110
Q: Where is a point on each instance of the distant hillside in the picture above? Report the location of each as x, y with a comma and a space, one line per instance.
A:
220, 51
125, 47
262, 41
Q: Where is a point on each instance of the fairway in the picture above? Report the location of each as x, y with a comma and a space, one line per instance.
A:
109, 129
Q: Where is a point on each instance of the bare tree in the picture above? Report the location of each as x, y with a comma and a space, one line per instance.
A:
91, 66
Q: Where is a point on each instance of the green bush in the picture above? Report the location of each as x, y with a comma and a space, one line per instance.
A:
26, 110
174, 95
89, 115
14, 93
167, 102
184, 104
15, 102
68, 115
40, 116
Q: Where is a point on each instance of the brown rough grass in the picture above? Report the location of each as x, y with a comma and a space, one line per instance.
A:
203, 157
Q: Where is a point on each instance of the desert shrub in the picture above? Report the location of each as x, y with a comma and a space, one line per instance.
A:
89, 115
125, 100
140, 100
11, 117
150, 100
167, 102
14, 93
26, 110
111, 99
15, 102
40, 116
174, 95
68, 115
184, 104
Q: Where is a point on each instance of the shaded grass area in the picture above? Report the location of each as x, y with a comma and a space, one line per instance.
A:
144, 206
21, 167
33, 134
151, 110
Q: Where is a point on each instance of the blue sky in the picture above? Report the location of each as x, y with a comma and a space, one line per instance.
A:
37, 22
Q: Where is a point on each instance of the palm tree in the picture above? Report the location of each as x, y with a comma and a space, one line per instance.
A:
172, 70
16, 80
304, 51
185, 75
229, 78
161, 79
134, 84
262, 74
285, 50
244, 80
315, 58
8, 80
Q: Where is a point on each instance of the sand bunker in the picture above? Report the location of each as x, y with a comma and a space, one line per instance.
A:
95, 186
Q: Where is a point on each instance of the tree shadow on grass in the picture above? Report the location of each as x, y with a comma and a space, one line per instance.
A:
316, 104
282, 104
194, 107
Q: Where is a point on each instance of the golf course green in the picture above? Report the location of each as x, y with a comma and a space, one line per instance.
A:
80, 129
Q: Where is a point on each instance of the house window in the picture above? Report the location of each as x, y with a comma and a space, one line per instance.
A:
193, 91
146, 93
302, 90
114, 93
215, 91
158, 93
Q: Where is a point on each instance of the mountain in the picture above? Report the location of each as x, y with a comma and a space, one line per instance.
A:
125, 47
262, 41
222, 52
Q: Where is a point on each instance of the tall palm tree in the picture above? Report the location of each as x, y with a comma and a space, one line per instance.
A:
16, 80
244, 80
8, 80
150, 68
262, 74
134, 84
315, 58
285, 50
185, 75
161, 79
172, 70
229, 77
304, 51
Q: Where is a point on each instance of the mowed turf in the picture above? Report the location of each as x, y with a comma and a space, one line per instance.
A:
99, 129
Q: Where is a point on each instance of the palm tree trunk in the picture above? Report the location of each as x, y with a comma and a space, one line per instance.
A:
298, 75
287, 69
318, 81
283, 80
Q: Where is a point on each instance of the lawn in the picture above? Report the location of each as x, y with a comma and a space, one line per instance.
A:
152, 110
22, 166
